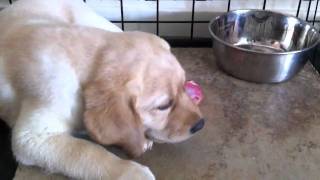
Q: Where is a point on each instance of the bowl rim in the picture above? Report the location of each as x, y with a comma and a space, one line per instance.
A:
259, 52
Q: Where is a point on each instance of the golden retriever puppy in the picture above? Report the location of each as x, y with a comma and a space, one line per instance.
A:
64, 69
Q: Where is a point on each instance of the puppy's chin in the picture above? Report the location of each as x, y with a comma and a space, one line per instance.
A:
149, 136
158, 141
171, 140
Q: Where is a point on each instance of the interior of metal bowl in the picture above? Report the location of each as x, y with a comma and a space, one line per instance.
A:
264, 31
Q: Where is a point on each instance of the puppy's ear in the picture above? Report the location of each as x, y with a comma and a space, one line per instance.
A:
111, 119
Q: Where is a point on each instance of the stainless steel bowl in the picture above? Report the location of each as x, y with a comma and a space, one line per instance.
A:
262, 46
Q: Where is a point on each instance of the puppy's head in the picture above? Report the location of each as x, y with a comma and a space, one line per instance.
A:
137, 95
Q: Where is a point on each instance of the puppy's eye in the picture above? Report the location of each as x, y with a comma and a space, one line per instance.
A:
166, 106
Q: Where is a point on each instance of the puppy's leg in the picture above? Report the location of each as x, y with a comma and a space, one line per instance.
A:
41, 138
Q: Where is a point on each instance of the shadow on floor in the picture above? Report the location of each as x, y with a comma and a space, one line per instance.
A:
7, 163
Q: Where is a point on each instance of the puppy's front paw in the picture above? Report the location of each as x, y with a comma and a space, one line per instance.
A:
135, 171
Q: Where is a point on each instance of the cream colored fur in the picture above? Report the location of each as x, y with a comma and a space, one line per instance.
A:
42, 114
64, 69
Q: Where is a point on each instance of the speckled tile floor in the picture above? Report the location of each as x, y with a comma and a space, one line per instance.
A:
253, 131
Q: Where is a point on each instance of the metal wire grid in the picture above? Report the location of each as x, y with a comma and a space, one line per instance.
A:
192, 22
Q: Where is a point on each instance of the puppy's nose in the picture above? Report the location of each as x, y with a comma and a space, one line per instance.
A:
199, 125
